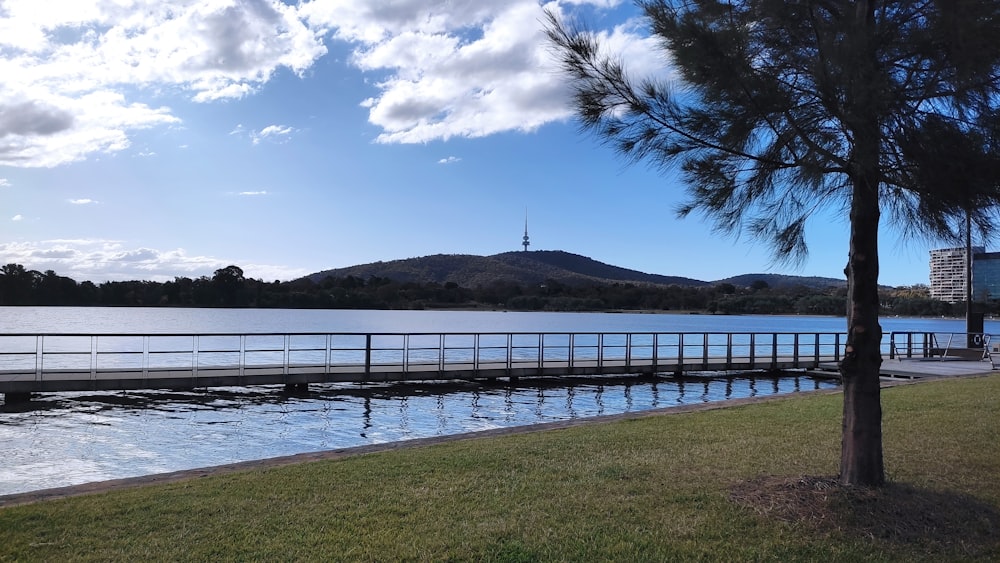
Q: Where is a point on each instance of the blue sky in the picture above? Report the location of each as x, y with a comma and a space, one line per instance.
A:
147, 139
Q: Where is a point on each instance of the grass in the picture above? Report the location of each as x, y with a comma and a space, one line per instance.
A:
742, 483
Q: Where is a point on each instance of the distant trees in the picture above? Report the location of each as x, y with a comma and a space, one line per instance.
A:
229, 287
16, 284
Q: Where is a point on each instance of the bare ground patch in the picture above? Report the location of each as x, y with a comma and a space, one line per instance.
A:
949, 524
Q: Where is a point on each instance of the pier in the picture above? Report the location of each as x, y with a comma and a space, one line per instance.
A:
34, 363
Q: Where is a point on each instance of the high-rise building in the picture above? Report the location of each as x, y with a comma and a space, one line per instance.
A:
948, 273
986, 276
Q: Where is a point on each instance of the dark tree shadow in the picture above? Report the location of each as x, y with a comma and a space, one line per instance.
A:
952, 525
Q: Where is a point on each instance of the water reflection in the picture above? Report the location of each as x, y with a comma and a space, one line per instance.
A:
69, 438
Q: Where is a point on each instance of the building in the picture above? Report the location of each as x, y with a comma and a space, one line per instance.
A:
986, 276
948, 273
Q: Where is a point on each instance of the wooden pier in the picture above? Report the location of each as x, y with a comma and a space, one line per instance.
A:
34, 363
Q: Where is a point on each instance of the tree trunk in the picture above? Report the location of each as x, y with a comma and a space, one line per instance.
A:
861, 446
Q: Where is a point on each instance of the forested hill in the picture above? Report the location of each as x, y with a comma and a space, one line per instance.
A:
523, 268
535, 267
781, 281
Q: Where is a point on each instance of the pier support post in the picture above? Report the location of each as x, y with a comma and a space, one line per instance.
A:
16, 398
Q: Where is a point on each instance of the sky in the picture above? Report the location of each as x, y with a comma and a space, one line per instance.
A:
155, 139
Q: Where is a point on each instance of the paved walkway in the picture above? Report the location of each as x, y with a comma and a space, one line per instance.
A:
934, 367
922, 368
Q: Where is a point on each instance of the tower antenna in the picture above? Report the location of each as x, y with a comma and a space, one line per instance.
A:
524, 241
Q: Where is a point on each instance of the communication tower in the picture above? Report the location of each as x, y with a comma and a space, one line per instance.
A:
524, 241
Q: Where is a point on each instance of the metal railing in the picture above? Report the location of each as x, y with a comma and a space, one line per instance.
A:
59, 355
924, 344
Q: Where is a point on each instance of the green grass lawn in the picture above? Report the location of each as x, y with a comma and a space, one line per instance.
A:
650, 489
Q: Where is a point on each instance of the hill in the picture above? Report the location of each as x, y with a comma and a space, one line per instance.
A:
783, 281
525, 268
535, 267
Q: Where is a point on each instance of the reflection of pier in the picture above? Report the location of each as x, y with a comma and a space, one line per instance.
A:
82, 362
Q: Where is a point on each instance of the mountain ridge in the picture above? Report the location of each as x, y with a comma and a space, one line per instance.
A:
538, 266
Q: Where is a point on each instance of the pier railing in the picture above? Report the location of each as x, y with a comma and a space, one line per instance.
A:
55, 361
926, 344
41, 357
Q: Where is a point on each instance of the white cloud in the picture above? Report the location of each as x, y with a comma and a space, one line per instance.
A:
465, 69
17, 218
449, 160
260, 192
70, 68
4, 182
444, 83
102, 260
81, 201
81, 76
271, 132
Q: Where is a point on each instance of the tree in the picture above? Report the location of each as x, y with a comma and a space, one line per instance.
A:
230, 286
782, 108
17, 285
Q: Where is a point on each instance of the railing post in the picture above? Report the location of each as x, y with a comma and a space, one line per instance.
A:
680, 351
145, 356
93, 356
510, 352
368, 355
600, 350
704, 354
729, 350
836, 347
39, 356
774, 350
286, 355
656, 352
475, 353
795, 352
628, 351
194, 355
328, 353
816, 350
406, 353
753, 349
892, 345
541, 351
441, 350
572, 347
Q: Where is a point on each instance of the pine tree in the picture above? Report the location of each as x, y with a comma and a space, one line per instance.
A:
778, 109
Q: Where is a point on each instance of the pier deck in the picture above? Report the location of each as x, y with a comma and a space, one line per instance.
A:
32, 363
183, 378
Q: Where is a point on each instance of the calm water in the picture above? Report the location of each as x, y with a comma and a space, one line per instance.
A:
70, 438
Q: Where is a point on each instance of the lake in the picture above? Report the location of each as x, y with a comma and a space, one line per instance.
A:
152, 320
62, 439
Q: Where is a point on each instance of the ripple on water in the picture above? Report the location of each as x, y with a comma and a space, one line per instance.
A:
72, 438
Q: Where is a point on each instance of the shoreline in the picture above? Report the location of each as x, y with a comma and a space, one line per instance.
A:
98, 487
95, 487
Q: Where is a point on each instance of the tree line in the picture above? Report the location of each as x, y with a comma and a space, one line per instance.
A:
229, 287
